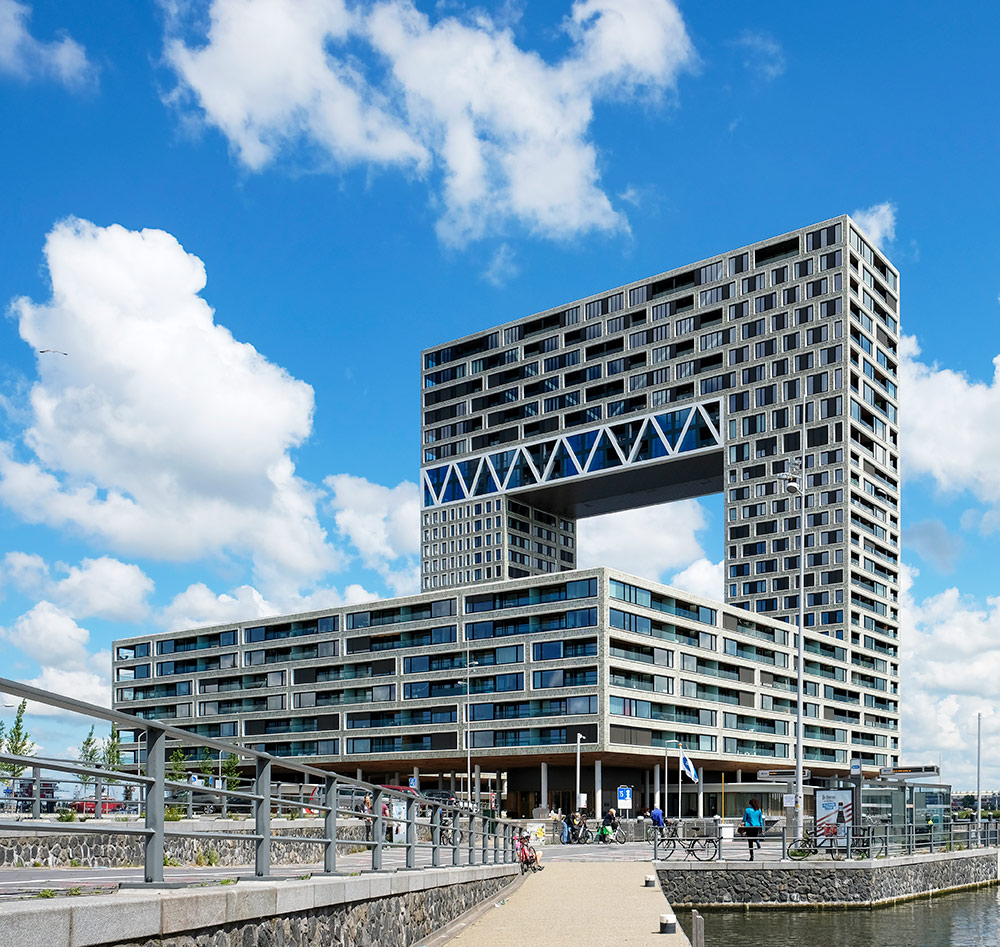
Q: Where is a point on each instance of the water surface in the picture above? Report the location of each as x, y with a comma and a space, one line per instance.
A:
963, 919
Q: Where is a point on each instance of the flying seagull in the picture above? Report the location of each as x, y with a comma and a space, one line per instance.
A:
53, 351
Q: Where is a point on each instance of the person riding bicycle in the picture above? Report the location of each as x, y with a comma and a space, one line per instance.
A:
609, 826
656, 817
576, 823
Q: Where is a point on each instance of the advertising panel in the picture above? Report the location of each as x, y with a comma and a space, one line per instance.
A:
834, 813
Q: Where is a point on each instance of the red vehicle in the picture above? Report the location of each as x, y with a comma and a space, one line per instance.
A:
87, 806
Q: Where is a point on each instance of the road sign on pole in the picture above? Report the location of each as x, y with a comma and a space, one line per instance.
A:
625, 798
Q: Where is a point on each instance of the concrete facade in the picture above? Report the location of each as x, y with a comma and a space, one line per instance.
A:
631, 664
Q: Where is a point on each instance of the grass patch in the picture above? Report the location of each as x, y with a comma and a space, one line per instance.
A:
46, 893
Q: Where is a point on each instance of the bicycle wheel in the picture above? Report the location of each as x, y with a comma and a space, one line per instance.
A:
585, 837
704, 849
837, 852
666, 848
861, 851
620, 835
531, 858
801, 848
879, 848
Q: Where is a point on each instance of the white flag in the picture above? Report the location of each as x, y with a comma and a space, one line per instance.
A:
688, 767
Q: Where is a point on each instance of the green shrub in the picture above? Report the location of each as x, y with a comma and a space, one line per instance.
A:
46, 893
173, 814
66, 815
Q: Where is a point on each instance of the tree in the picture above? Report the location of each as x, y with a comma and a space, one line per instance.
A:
968, 801
89, 754
19, 743
111, 754
207, 766
231, 771
177, 766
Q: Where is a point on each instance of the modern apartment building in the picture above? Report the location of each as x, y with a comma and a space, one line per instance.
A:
709, 378
515, 670
700, 380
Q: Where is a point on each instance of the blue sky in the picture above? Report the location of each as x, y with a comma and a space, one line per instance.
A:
242, 220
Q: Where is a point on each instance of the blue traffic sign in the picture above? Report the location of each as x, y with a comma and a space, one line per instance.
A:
624, 797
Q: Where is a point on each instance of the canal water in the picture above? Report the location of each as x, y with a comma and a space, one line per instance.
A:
963, 919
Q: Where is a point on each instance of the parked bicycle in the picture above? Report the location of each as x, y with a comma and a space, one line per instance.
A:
860, 844
668, 841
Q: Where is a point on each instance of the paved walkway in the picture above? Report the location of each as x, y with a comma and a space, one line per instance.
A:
576, 904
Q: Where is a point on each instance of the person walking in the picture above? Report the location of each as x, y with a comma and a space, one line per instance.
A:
753, 821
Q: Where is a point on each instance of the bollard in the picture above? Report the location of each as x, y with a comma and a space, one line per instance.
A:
668, 924
697, 930
650, 881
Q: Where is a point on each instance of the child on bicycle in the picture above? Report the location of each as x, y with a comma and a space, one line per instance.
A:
609, 825
525, 854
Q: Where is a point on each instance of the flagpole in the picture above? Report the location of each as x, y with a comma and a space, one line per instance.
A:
680, 778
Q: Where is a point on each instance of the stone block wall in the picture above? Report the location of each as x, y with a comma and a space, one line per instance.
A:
57, 850
826, 883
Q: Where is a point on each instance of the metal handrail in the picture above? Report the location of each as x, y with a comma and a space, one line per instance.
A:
327, 786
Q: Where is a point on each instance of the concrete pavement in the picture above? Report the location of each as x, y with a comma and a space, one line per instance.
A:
576, 904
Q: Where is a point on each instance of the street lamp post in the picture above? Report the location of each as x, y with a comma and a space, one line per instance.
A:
795, 483
579, 739
469, 665
979, 795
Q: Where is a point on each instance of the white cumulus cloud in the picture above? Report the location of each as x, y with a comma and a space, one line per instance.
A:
502, 133
96, 588
948, 430
158, 433
878, 221
703, 577
198, 606
48, 635
644, 542
950, 643
383, 524
22, 55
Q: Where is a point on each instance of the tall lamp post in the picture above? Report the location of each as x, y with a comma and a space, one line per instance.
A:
795, 482
579, 739
469, 665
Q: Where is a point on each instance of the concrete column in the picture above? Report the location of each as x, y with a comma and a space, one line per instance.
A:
416, 778
359, 777
701, 792
440, 780
452, 785
476, 779
395, 779
656, 785
544, 798
597, 789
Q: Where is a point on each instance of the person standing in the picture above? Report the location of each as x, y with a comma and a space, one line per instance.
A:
753, 820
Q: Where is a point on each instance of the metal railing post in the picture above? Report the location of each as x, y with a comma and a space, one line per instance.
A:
436, 836
930, 838
496, 841
330, 798
98, 789
262, 819
154, 842
36, 793
411, 832
784, 842
456, 831
482, 841
380, 825
472, 838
